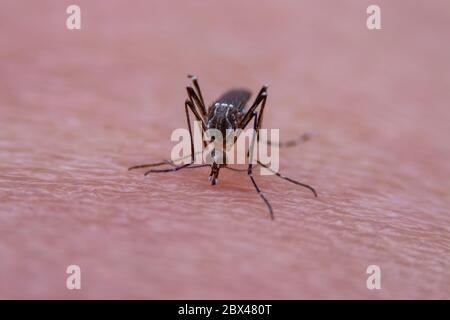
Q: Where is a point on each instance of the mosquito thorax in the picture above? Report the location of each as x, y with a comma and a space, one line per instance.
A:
223, 116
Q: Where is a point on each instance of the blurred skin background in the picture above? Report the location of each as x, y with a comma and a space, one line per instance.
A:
79, 107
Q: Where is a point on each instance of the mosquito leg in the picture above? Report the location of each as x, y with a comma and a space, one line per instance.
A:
168, 162
262, 195
164, 162
239, 170
156, 164
261, 111
192, 155
186, 105
200, 96
258, 120
192, 166
169, 169
176, 168
291, 143
250, 172
199, 166
286, 144
261, 97
196, 96
289, 179
196, 101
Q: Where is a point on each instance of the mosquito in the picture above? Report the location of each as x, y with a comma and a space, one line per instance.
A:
227, 112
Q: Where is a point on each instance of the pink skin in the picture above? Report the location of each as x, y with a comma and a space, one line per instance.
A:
78, 107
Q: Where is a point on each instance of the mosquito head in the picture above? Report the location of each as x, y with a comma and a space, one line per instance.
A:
214, 175
216, 159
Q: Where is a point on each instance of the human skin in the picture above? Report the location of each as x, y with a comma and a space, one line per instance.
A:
77, 108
